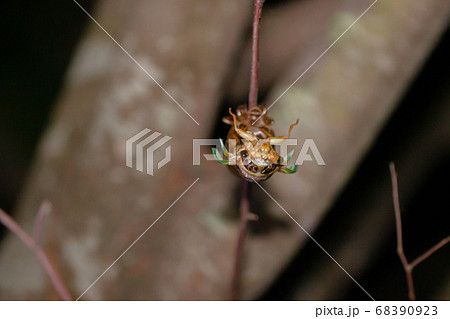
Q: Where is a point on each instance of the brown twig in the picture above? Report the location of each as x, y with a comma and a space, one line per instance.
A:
407, 266
244, 217
429, 252
253, 91
33, 245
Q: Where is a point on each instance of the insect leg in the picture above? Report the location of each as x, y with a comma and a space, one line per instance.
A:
242, 133
289, 169
220, 160
281, 139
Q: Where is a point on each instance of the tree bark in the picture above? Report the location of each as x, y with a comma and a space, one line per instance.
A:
101, 206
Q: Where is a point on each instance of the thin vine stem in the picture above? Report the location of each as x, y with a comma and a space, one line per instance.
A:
244, 206
253, 90
34, 246
429, 252
408, 266
243, 221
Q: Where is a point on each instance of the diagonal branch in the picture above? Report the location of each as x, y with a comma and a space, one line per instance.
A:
33, 245
429, 252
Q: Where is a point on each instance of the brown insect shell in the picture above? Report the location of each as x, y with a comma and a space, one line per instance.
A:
257, 151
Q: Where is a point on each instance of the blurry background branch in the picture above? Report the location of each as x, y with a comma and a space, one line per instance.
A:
33, 243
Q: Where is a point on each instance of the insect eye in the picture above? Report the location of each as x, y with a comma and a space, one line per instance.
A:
244, 154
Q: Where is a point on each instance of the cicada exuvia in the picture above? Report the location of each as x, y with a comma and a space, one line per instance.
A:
249, 148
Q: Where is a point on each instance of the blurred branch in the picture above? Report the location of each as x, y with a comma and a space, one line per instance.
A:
33, 244
408, 267
429, 252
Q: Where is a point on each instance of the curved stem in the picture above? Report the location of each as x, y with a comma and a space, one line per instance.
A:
429, 252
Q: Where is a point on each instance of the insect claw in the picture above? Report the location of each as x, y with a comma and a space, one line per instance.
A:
289, 169
281, 139
224, 149
219, 158
288, 158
